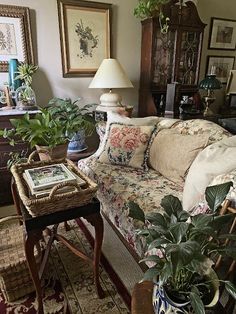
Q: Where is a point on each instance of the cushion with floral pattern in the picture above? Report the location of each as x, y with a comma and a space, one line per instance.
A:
127, 145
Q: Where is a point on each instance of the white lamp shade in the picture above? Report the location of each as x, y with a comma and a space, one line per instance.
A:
110, 75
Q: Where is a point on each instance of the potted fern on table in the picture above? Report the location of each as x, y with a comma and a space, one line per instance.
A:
182, 250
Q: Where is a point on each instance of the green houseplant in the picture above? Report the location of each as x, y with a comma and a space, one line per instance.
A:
51, 127
151, 8
185, 248
25, 95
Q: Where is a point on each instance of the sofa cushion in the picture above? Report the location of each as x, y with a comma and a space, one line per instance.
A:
200, 127
118, 185
172, 153
127, 145
218, 158
113, 117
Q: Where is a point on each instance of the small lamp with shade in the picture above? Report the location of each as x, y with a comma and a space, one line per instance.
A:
110, 75
209, 83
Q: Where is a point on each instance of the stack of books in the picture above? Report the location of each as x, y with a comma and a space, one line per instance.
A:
41, 180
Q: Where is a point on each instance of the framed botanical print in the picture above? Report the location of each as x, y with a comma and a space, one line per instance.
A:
15, 35
85, 34
222, 66
222, 34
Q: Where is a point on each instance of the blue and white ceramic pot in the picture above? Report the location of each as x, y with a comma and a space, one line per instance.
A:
162, 304
77, 143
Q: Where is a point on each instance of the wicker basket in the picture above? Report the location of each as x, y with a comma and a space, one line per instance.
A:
55, 201
15, 279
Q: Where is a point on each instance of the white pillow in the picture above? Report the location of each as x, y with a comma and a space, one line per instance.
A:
217, 158
113, 117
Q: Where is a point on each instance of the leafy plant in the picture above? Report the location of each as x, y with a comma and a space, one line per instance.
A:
150, 8
52, 126
186, 245
17, 158
71, 116
25, 72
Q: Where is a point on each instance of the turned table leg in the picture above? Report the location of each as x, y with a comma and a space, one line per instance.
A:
30, 239
97, 222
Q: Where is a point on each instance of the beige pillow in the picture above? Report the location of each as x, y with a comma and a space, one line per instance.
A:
127, 145
172, 153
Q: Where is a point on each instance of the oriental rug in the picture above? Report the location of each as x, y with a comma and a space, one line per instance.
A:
69, 286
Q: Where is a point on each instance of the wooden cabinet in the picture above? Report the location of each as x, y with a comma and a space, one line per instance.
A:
171, 57
5, 149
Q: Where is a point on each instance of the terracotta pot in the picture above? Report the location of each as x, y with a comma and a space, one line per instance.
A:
47, 153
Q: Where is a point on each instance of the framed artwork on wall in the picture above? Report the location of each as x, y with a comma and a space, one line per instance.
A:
222, 34
85, 35
222, 66
15, 35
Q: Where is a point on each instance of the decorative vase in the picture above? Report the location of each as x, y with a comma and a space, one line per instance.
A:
25, 98
47, 153
12, 70
163, 305
77, 143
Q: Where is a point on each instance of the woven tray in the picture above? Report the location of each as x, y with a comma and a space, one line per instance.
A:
81, 195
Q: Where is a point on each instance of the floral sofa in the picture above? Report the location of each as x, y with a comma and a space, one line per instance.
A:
117, 185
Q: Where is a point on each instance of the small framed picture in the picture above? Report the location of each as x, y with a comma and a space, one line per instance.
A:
85, 31
232, 101
222, 34
222, 66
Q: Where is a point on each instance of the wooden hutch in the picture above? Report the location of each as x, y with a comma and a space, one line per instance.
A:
171, 57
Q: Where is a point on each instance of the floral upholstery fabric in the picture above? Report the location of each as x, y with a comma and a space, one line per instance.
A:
198, 126
126, 145
117, 185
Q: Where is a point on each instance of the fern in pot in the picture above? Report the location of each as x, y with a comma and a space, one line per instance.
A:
182, 249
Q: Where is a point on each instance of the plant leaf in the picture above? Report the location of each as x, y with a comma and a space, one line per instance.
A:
216, 194
178, 230
156, 219
151, 274
171, 204
136, 212
196, 301
231, 289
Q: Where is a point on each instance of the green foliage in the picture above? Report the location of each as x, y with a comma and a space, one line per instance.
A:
150, 8
52, 126
25, 72
71, 116
184, 251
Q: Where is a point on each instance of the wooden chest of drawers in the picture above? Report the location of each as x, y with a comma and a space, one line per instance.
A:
5, 149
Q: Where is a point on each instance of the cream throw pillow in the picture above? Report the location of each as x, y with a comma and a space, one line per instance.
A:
127, 145
218, 158
172, 153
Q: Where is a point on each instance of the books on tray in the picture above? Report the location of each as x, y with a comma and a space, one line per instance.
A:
41, 180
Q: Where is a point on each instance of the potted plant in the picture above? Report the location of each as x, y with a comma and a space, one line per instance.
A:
152, 8
25, 95
49, 130
185, 247
79, 122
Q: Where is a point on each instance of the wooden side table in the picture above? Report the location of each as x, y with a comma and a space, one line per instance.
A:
33, 227
142, 298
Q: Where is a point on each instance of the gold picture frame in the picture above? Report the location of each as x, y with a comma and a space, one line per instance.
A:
15, 35
85, 35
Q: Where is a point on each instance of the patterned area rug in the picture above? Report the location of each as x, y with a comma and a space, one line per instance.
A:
69, 286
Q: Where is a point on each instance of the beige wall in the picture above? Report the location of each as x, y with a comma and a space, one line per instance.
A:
126, 38
48, 81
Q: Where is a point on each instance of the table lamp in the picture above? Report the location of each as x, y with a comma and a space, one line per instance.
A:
110, 74
209, 83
